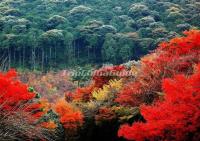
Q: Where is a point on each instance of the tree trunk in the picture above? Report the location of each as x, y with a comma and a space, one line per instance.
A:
74, 50
46, 59
14, 56
23, 59
33, 58
42, 60
55, 55
88, 49
50, 52
78, 51
9, 58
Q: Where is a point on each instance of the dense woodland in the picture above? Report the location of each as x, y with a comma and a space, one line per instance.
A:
53, 34
99, 70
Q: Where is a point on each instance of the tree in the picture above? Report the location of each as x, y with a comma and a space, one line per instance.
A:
125, 53
70, 48
55, 21
52, 42
33, 45
109, 49
10, 43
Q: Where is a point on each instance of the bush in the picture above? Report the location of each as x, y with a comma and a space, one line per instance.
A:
20, 111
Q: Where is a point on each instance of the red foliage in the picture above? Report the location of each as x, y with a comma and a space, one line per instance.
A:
175, 118
177, 56
15, 95
82, 94
12, 91
183, 45
70, 117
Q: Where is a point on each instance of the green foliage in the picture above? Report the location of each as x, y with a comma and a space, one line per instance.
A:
49, 35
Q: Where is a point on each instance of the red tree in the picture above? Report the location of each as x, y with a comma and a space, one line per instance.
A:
175, 118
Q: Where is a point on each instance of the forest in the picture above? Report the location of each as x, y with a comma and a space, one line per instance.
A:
55, 34
99, 70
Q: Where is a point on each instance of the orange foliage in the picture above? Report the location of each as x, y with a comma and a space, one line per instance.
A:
83, 94
49, 125
70, 117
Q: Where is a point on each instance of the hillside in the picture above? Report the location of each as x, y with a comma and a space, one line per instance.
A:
53, 34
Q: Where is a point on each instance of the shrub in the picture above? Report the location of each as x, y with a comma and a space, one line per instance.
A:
14, 94
19, 110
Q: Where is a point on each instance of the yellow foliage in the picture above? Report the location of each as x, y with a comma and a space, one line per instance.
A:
108, 91
116, 84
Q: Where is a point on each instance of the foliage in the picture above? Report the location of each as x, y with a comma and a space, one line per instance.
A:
109, 85
82, 74
100, 78
178, 56
20, 111
48, 35
105, 114
81, 94
49, 125
15, 94
107, 73
51, 85
175, 118
80, 10
70, 117
96, 100
160, 93
106, 93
